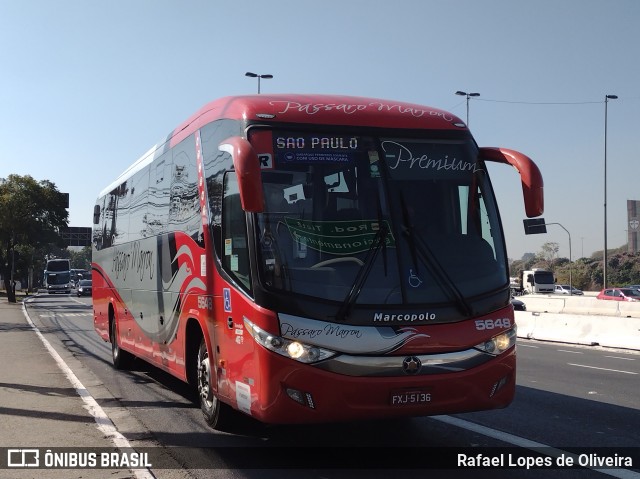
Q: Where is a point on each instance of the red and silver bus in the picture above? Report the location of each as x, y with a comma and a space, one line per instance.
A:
304, 259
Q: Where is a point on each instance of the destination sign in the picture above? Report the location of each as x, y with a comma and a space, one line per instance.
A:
314, 148
316, 142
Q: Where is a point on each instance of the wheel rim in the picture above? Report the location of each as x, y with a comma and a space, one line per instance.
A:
204, 380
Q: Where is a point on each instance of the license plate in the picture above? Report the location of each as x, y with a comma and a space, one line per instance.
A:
410, 397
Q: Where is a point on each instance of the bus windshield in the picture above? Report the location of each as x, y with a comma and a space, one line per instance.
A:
58, 265
544, 277
398, 220
58, 278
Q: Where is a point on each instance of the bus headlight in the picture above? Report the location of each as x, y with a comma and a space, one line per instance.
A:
305, 353
295, 350
500, 343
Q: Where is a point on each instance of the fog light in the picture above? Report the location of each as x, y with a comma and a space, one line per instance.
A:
296, 395
301, 397
499, 385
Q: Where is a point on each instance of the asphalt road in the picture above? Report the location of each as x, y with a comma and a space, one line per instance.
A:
567, 397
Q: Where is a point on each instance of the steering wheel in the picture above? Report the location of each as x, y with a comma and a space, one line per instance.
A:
338, 260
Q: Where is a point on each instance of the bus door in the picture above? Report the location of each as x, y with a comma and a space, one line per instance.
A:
236, 345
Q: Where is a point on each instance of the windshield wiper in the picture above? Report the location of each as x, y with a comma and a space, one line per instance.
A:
422, 250
379, 241
407, 230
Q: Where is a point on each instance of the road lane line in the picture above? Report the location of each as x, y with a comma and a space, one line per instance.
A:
528, 444
602, 369
103, 422
618, 357
570, 352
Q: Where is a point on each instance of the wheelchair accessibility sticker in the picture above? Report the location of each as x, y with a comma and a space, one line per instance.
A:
226, 292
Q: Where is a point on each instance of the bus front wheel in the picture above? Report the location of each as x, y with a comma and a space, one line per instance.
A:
209, 403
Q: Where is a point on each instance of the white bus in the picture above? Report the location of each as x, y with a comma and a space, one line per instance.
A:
57, 276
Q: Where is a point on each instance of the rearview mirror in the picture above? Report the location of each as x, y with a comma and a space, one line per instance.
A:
96, 214
247, 167
532, 184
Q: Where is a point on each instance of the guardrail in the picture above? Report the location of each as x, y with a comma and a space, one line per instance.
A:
580, 320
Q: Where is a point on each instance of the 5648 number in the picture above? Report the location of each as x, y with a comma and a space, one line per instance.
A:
487, 324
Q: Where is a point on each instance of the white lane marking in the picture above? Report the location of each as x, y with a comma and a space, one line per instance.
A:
527, 346
570, 352
526, 443
602, 369
103, 423
618, 357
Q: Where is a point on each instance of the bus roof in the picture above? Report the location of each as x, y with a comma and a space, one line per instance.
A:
323, 109
301, 108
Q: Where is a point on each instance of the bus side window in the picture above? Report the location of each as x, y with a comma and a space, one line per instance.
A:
157, 220
184, 205
235, 252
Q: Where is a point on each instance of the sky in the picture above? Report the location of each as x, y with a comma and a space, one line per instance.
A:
87, 87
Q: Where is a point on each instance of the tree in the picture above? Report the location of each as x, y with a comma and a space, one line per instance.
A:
548, 254
32, 214
81, 259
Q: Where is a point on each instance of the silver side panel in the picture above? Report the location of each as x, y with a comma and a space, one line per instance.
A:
386, 366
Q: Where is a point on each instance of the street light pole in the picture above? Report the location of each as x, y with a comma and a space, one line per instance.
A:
604, 266
255, 75
464, 93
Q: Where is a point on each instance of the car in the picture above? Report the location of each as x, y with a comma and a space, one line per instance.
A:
518, 305
619, 294
84, 287
633, 286
566, 289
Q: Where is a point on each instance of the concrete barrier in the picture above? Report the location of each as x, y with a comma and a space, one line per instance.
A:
581, 305
592, 306
629, 310
544, 303
609, 331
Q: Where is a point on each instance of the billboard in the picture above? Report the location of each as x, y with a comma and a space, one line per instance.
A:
76, 236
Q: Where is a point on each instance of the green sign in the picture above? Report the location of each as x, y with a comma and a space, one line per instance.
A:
338, 237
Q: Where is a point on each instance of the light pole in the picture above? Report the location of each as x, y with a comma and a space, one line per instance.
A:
464, 93
255, 75
604, 266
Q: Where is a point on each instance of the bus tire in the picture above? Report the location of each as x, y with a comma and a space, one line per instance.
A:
121, 359
215, 413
